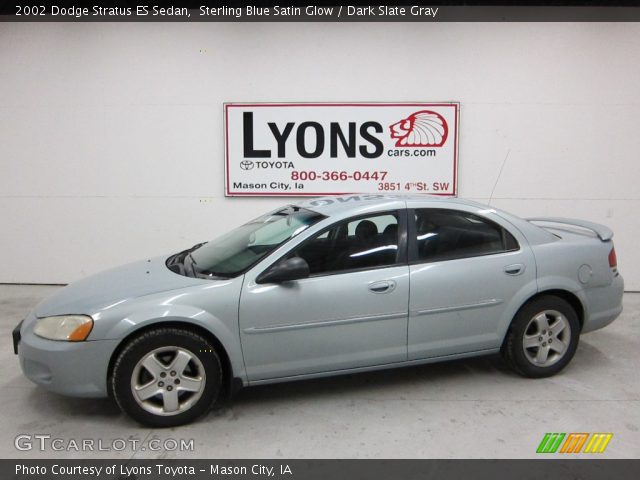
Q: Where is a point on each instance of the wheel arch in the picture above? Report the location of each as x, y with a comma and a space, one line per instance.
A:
570, 297
230, 383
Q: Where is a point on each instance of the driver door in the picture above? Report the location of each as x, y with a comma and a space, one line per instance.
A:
352, 311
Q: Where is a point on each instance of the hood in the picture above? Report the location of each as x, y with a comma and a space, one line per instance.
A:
117, 285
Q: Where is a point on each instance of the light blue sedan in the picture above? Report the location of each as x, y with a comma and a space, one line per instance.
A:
325, 287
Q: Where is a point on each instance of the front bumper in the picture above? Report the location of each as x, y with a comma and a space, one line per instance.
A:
77, 369
16, 337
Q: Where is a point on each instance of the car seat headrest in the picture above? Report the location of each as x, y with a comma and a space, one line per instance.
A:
366, 229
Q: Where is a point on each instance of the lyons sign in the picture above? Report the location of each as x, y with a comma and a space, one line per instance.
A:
296, 149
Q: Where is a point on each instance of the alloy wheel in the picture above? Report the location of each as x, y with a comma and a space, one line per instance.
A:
168, 381
546, 338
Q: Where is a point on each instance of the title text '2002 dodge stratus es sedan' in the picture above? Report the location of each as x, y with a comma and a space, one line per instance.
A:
328, 286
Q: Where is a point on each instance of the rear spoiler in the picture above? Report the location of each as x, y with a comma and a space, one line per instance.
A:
604, 233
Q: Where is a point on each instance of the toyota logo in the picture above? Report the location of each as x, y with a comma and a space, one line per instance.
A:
246, 164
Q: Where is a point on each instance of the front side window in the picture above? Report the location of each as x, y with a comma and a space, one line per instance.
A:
443, 234
361, 243
233, 253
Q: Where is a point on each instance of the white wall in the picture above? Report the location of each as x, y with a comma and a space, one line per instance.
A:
111, 134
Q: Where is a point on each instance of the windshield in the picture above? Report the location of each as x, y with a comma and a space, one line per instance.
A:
233, 253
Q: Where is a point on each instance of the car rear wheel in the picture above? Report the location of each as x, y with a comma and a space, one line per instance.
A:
166, 377
543, 337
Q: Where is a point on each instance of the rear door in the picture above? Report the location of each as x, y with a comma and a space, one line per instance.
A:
468, 272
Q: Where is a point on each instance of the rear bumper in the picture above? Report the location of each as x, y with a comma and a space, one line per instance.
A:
604, 305
77, 369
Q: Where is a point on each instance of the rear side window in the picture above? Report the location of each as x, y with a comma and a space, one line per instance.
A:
449, 234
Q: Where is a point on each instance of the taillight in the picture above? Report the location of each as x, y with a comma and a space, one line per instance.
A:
613, 260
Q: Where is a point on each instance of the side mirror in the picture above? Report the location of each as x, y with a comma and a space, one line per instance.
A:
293, 268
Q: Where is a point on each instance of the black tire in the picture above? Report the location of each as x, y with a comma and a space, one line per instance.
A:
520, 359
164, 341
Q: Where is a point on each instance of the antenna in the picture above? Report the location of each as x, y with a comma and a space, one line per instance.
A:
499, 174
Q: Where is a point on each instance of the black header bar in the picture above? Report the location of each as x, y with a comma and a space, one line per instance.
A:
260, 11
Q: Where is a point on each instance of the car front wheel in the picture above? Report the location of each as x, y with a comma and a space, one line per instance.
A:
543, 337
166, 377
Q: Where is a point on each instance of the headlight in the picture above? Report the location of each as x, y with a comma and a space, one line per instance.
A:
72, 328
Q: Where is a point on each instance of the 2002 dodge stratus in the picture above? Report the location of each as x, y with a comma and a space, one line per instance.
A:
328, 286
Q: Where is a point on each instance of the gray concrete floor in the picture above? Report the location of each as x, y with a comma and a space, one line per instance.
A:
463, 409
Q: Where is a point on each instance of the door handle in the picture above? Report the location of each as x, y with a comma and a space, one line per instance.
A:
514, 269
383, 286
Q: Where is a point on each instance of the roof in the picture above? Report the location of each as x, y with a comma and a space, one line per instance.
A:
362, 202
